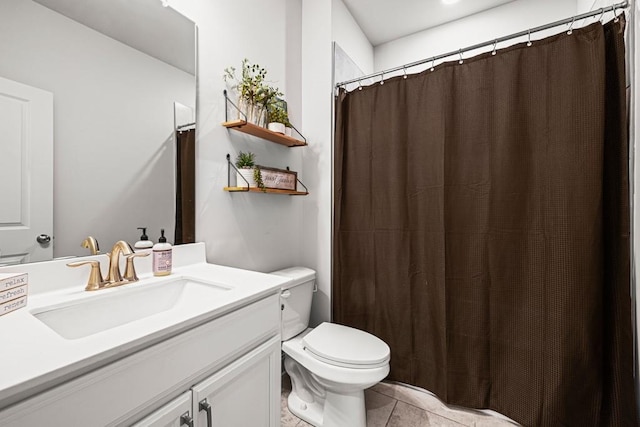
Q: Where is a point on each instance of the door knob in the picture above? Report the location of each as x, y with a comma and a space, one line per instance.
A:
43, 239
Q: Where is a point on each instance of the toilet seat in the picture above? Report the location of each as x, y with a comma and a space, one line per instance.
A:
347, 347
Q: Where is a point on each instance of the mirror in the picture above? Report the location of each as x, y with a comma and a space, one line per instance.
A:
122, 75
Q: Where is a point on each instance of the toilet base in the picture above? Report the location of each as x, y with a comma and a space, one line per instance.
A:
309, 412
337, 410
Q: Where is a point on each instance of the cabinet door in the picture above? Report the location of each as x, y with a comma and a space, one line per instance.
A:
176, 413
244, 393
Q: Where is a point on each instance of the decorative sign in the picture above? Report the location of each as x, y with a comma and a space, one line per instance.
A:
279, 178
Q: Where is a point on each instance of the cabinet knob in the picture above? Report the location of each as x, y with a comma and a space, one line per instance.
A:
186, 420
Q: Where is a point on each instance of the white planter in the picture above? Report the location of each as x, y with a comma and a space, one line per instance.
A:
276, 127
288, 131
248, 176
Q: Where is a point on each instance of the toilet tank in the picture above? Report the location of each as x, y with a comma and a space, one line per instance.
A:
295, 300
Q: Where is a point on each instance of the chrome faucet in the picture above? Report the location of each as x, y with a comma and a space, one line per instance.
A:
114, 277
92, 244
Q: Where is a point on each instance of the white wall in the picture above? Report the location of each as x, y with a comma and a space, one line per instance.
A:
584, 5
322, 23
254, 231
347, 33
316, 119
113, 124
587, 5
507, 19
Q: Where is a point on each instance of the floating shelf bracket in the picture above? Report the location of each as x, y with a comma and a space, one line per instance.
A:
243, 125
237, 188
227, 101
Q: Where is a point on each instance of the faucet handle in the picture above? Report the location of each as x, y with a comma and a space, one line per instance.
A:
95, 280
130, 270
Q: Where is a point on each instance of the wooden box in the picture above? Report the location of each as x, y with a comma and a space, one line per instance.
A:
11, 280
14, 304
13, 293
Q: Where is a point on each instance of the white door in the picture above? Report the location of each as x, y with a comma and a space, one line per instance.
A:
26, 173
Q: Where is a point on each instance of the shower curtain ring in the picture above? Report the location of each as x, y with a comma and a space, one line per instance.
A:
495, 43
529, 38
359, 84
601, 14
615, 13
404, 69
432, 62
381, 78
460, 61
571, 26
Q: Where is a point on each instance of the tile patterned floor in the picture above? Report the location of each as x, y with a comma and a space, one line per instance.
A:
395, 405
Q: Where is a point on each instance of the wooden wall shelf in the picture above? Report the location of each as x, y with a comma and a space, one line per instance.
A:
260, 132
266, 190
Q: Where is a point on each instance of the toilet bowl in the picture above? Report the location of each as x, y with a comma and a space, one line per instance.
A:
331, 365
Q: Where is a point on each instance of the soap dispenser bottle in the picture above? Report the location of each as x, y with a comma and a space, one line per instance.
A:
144, 242
162, 254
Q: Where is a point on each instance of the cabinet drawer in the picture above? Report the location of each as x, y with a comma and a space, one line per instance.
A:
118, 391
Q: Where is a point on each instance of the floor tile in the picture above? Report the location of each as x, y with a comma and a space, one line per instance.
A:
489, 421
405, 415
429, 402
409, 395
396, 405
379, 408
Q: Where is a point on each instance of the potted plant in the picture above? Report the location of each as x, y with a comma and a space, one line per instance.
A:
245, 162
254, 92
278, 119
248, 174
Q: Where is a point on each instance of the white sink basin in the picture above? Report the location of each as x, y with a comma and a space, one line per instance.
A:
107, 309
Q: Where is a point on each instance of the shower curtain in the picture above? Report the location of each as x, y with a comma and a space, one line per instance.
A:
482, 229
185, 187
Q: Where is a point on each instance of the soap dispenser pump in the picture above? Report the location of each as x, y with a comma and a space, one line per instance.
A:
162, 256
144, 242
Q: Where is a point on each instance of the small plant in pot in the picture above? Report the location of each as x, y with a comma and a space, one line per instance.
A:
248, 174
278, 119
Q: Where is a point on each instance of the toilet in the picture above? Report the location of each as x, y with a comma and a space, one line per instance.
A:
331, 365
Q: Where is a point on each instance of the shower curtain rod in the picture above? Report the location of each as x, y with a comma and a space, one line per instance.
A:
494, 42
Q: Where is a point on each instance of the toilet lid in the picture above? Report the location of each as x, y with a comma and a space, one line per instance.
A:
344, 346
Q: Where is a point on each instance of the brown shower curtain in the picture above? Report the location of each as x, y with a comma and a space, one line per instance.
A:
185, 187
482, 229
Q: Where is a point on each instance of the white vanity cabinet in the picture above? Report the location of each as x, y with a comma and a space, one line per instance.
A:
245, 393
232, 361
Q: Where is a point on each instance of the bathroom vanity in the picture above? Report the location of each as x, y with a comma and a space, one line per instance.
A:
198, 348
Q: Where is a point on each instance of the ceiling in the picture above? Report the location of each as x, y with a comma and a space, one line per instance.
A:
386, 20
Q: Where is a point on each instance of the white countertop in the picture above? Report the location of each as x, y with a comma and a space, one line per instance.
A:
34, 357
